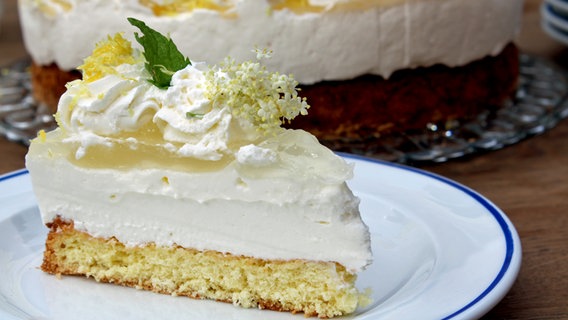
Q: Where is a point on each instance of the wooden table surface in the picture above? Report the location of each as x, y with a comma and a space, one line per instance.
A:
528, 181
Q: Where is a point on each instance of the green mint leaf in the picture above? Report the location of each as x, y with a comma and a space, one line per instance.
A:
163, 58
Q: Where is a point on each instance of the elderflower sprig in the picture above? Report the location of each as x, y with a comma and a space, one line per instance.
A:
256, 95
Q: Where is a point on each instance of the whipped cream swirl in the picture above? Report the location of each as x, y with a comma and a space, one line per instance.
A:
205, 113
109, 106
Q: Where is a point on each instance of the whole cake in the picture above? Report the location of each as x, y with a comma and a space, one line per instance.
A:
369, 67
169, 175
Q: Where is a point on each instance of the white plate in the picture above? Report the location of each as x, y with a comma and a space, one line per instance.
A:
441, 251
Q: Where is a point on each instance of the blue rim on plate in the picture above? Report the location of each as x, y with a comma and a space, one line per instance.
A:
13, 174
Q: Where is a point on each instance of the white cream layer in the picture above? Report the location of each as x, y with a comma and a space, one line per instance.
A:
247, 208
331, 45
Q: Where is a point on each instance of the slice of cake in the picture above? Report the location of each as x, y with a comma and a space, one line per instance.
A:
172, 176
382, 66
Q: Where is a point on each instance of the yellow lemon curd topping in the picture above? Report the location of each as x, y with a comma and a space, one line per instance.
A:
175, 7
159, 8
51, 8
171, 8
298, 6
304, 6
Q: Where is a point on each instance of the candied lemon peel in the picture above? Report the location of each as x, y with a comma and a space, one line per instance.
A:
107, 55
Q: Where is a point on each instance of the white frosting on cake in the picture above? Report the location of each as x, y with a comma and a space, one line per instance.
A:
278, 214
182, 166
344, 39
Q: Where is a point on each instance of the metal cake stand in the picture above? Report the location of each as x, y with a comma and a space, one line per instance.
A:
540, 102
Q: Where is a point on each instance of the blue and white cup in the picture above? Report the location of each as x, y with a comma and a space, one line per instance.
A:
554, 14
